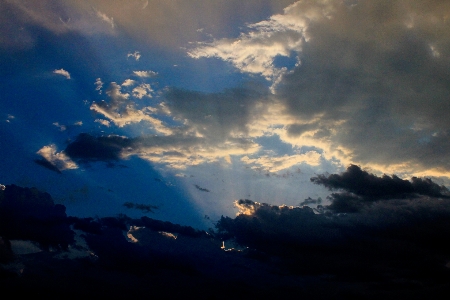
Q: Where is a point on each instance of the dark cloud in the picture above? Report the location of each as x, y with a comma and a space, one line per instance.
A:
6, 253
102, 148
377, 76
28, 214
387, 249
46, 164
362, 188
146, 208
201, 189
216, 115
309, 200
362, 183
379, 244
158, 225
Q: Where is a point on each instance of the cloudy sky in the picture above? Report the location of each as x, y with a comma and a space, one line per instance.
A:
174, 110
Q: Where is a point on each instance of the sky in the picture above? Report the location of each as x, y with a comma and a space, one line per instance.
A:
284, 126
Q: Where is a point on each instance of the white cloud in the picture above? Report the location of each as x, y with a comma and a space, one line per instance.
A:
98, 85
275, 164
59, 160
128, 82
145, 73
136, 55
103, 122
143, 90
280, 35
121, 111
61, 127
62, 72
9, 118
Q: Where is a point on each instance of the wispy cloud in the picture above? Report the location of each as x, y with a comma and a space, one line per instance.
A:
98, 85
103, 122
105, 18
145, 73
62, 72
135, 54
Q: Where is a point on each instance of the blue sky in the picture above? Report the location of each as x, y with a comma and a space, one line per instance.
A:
243, 100
288, 126
261, 95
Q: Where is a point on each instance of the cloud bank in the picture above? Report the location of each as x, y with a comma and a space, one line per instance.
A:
367, 88
391, 247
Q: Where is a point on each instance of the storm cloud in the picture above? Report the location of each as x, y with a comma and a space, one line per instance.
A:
362, 183
282, 248
29, 214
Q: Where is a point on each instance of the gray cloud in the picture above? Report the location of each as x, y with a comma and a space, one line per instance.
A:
371, 82
103, 148
146, 208
29, 214
376, 77
167, 25
392, 248
216, 115
362, 183
46, 164
201, 189
122, 111
359, 189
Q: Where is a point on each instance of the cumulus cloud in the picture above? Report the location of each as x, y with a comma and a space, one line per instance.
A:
62, 72
122, 111
360, 182
280, 35
176, 151
206, 127
368, 87
57, 161
128, 82
145, 73
143, 90
361, 188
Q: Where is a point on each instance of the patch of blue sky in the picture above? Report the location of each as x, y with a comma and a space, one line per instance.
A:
275, 144
288, 62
